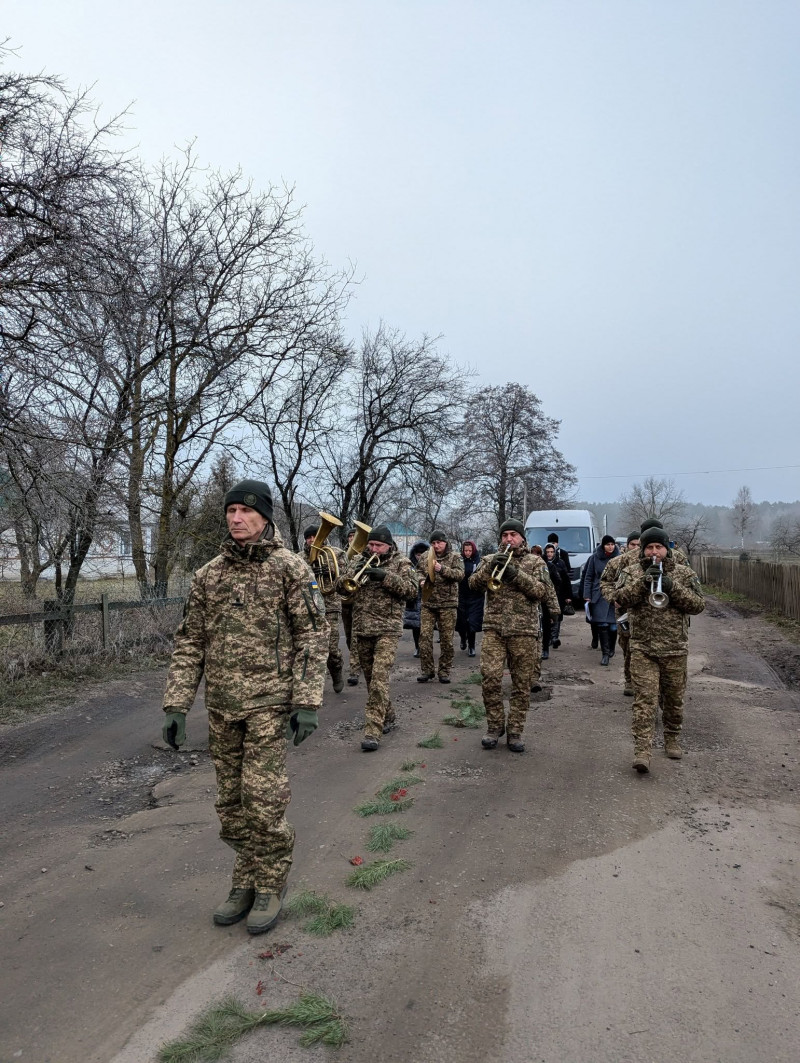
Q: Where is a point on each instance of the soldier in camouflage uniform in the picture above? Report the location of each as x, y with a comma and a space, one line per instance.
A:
378, 607
512, 633
333, 603
254, 625
439, 607
347, 623
607, 583
659, 641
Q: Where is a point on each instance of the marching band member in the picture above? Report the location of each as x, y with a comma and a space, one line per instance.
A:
439, 605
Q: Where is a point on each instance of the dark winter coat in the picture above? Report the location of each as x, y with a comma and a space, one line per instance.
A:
602, 610
561, 581
411, 617
470, 603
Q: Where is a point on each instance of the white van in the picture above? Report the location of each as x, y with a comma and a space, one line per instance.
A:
576, 531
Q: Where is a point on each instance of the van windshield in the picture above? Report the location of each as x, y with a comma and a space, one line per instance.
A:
573, 540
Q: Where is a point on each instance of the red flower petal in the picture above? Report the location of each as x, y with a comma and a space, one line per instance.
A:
356, 861
402, 792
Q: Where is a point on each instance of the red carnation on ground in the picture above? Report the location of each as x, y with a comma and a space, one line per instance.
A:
356, 861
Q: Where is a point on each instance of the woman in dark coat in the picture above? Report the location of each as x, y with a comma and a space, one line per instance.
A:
411, 617
469, 618
563, 589
603, 616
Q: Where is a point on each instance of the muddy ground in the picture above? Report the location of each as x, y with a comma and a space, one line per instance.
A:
560, 907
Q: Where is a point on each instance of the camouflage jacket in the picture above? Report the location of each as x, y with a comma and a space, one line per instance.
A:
611, 574
254, 624
514, 608
378, 604
659, 632
444, 593
333, 602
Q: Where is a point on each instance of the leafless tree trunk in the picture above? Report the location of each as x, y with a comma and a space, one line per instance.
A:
743, 513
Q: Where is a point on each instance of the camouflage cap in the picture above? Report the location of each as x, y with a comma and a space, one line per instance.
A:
252, 493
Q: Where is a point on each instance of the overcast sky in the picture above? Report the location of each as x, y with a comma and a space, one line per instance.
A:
596, 199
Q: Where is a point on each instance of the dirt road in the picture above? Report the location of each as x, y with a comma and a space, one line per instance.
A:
560, 907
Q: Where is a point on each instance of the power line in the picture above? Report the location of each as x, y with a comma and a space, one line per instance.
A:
697, 472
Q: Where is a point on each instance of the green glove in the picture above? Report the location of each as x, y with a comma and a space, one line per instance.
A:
666, 584
302, 722
510, 572
174, 730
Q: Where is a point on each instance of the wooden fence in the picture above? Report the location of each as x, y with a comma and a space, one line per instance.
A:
772, 585
55, 618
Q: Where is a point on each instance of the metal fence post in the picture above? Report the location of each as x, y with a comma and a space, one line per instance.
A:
105, 620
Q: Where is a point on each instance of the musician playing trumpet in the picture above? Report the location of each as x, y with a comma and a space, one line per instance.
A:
659, 595
517, 582
333, 603
441, 571
380, 580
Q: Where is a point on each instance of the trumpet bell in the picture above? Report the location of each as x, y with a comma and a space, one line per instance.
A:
659, 600
324, 557
360, 539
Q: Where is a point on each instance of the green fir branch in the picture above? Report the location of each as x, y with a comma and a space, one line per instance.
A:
409, 765
221, 1026
364, 878
400, 783
470, 714
383, 836
433, 741
335, 917
384, 806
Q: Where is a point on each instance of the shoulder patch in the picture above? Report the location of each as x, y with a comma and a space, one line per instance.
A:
316, 595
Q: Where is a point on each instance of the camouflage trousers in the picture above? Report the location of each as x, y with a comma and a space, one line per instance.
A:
350, 638
624, 640
253, 794
523, 654
653, 676
429, 618
335, 659
377, 654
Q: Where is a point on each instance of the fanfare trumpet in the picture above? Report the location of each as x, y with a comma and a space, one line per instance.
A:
496, 578
350, 584
324, 557
360, 539
658, 598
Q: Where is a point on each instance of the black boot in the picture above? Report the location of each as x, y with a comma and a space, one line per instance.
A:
595, 636
612, 641
603, 635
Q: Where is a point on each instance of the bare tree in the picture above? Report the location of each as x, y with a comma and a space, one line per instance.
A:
513, 461
295, 418
653, 497
405, 402
693, 535
785, 538
743, 513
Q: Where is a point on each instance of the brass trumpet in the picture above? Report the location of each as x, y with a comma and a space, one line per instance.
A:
360, 539
658, 598
496, 578
322, 557
350, 584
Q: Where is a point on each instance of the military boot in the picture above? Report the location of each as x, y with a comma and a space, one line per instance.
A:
236, 907
672, 747
491, 738
352, 680
265, 911
338, 681
628, 691
515, 743
369, 745
641, 761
